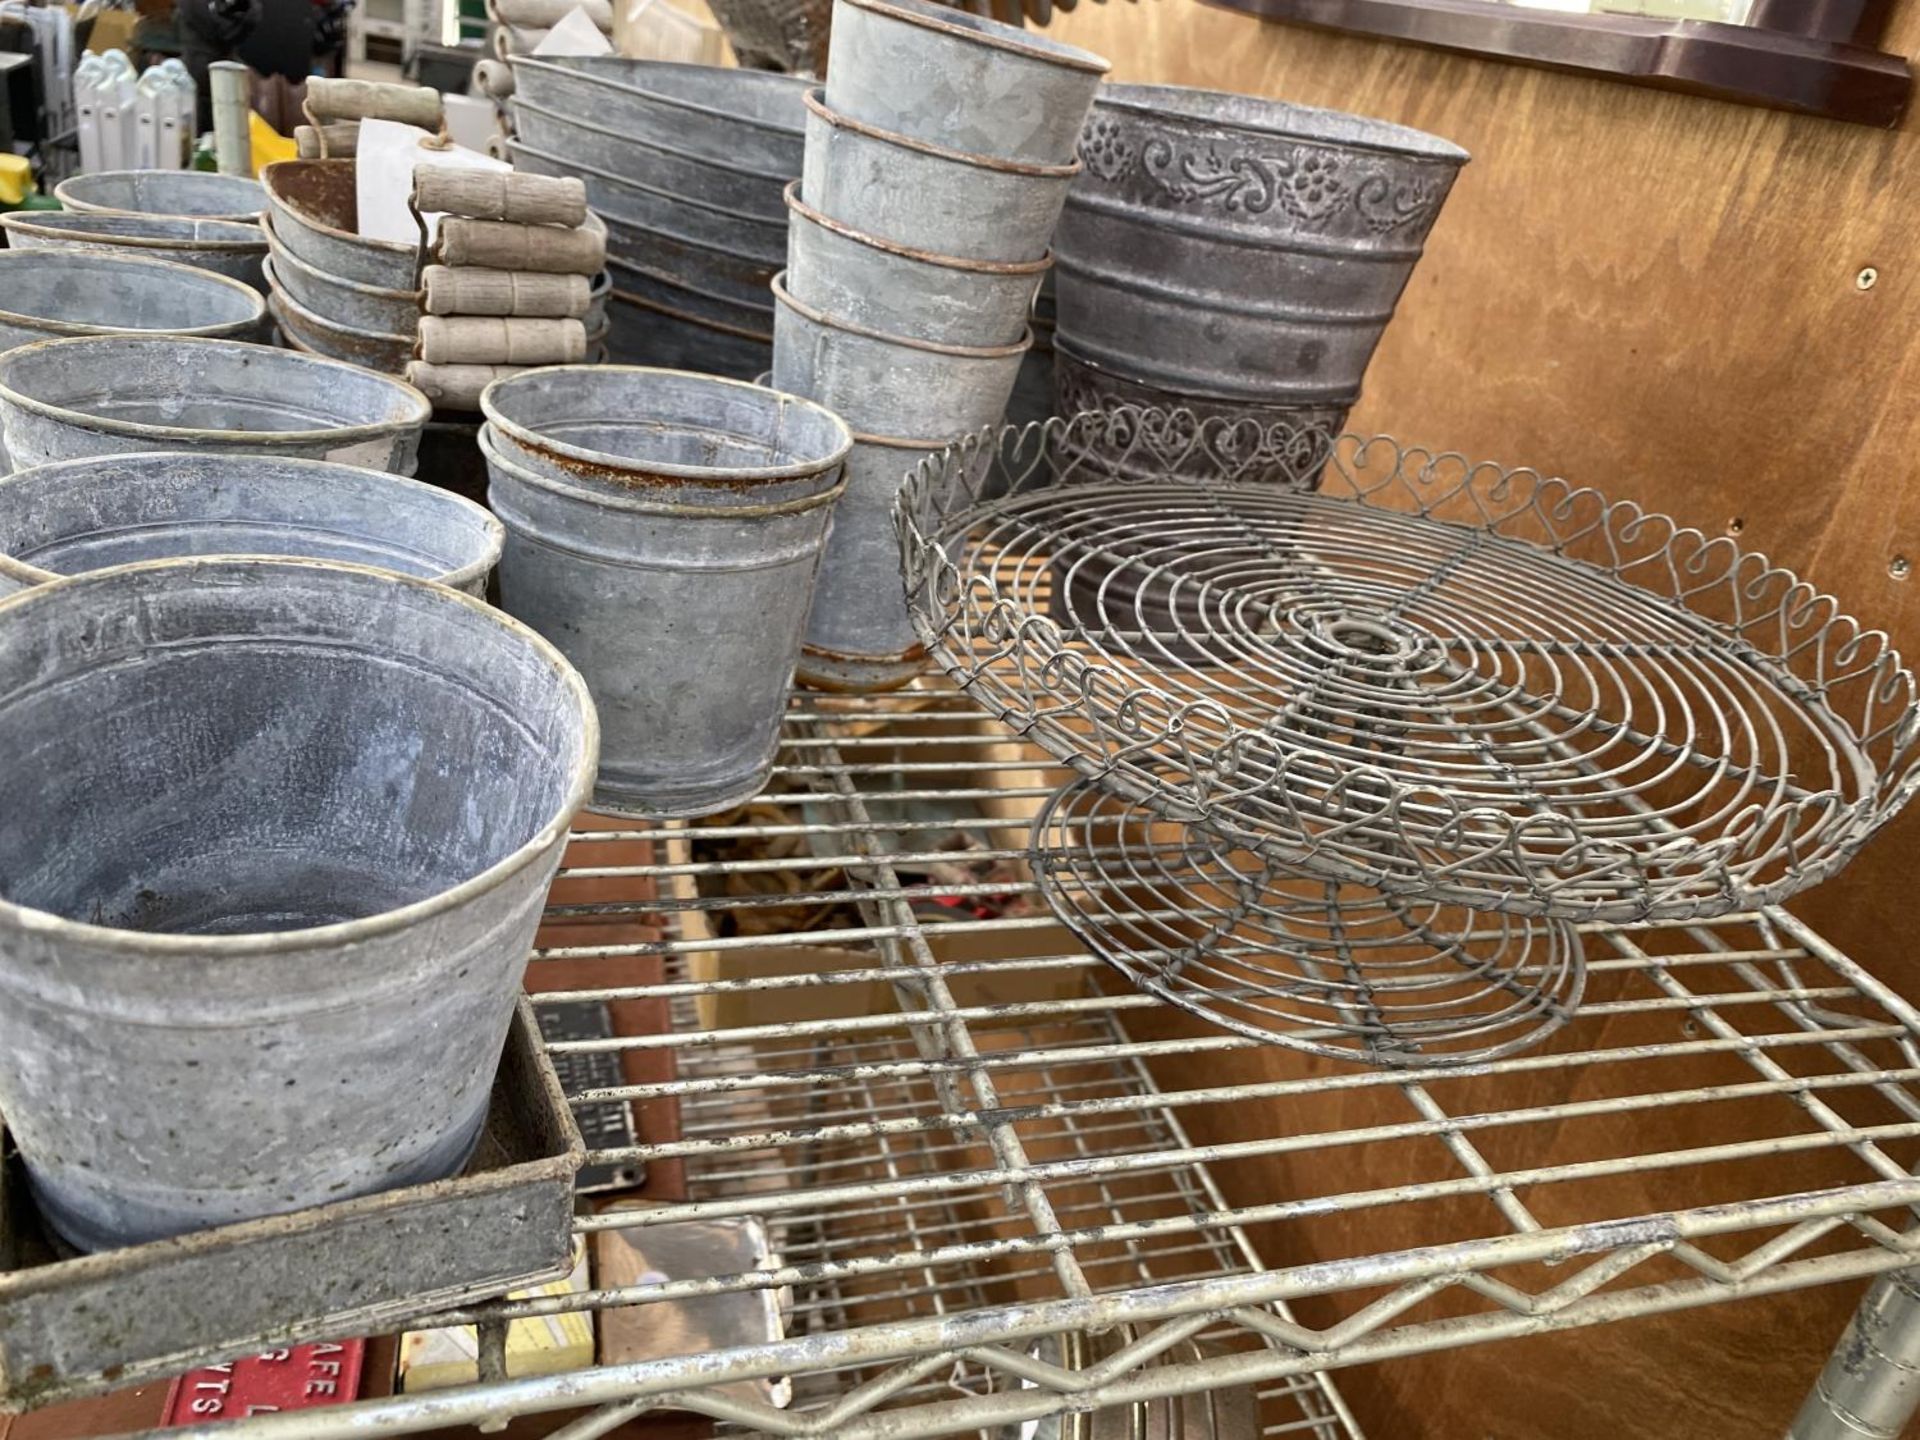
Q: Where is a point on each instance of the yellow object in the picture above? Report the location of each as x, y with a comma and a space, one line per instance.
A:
112, 30
268, 143
439, 1359
16, 178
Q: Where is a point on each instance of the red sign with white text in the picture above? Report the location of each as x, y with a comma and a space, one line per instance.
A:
297, 1378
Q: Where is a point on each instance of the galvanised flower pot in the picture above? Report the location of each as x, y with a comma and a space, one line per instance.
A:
267, 957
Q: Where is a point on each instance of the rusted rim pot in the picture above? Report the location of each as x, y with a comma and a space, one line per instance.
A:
308, 814
665, 529
939, 73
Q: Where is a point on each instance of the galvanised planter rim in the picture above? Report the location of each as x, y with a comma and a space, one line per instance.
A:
220, 949
1257, 115
76, 225
581, 167
960, 352
23, 259
816, 102
685, 317
998, 37
27, 573
908, 252
731, 477
69, 192
632, 501
275, 199
280, 254
689, 156
692, 107
336, 435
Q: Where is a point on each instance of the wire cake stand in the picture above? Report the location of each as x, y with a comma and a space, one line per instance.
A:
1263, 951
1432, 678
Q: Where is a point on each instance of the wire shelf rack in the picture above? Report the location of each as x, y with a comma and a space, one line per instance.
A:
1026, 1148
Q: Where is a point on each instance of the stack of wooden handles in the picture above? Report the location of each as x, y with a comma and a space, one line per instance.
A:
520, 25
335, 109
510, 280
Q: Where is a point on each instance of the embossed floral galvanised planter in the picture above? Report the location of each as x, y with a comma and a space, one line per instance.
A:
1221, 248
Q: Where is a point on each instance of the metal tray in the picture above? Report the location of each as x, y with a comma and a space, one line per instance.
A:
75, 1326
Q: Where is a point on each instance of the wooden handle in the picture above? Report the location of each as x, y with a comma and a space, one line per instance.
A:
468, 291
545, 14
485, 340
494, 78
497, 245
510, 40
329, 99
457, 387
342, 140
499, 195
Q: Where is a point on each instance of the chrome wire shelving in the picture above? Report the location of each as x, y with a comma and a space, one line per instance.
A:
964, 1136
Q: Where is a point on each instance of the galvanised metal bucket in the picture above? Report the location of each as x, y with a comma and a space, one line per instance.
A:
233, 248
1220, 245
315, 215
1079, 385
268, 957
197, 193
617, 199
860, 636
878, 285
47, 294
938, 73
887, 384
582, 146
664, 529
307, 333
714, 270
692, 300
749, 119
642, 333
926, 196
348, 303
67, 519
108, 395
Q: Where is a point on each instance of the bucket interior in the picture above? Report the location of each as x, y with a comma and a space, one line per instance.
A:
227, 747
670, 419
205, 385
123, 509
181, 230
168, 192
113, 293
320, 190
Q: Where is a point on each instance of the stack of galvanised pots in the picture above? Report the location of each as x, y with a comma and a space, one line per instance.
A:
937, 159
1236, 256
687, 165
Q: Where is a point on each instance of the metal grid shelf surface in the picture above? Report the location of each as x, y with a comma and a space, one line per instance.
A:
1028, 1148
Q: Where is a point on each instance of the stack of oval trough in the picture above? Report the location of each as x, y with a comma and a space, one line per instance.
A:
937, 159
686, 164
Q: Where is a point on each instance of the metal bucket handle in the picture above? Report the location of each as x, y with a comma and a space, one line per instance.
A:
489, 195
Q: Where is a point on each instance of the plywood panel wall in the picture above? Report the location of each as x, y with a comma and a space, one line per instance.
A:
1661, 296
